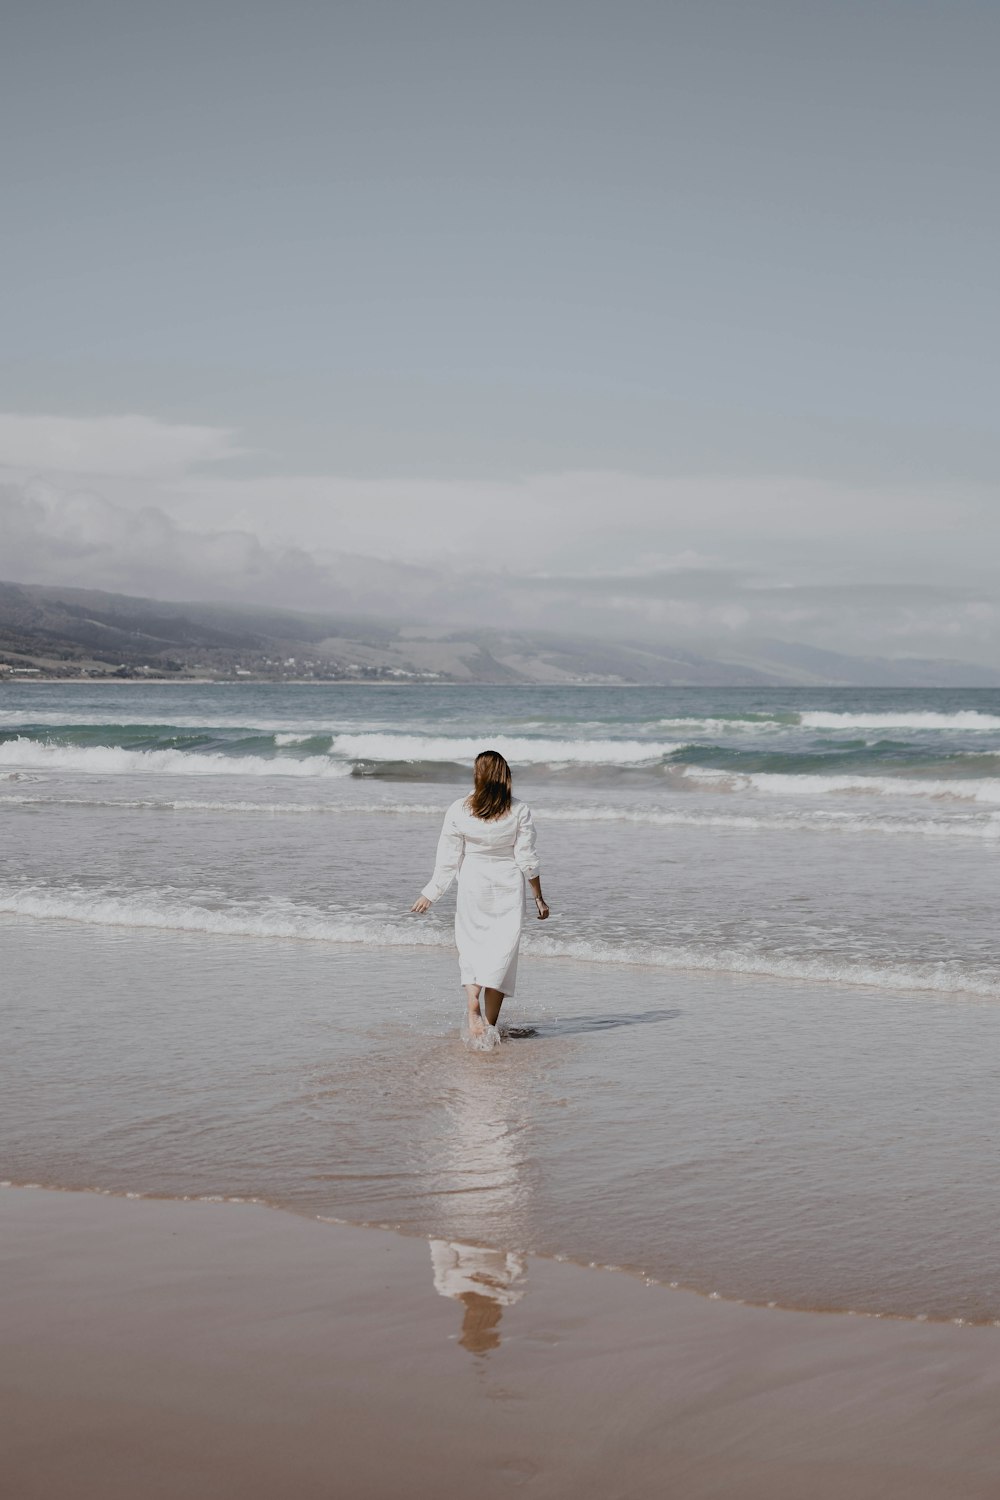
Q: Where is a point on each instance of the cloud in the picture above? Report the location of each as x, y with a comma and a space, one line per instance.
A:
694, 560
866, 620
788, 528
131, 444
576, 519
79, 537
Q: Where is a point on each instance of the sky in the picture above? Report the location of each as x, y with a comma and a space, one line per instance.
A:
673, 320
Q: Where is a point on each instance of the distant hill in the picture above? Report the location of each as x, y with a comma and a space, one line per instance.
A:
61, 632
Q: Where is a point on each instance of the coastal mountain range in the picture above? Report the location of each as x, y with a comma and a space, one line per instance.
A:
53, 632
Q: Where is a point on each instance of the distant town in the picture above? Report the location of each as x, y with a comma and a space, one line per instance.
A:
41, 667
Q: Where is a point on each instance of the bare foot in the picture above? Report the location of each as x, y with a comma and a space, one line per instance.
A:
477, 1026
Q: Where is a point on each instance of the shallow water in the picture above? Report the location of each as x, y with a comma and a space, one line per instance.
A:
816, 1147
764, 1013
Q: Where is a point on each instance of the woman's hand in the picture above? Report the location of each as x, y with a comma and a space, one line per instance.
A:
422, 904
541, 905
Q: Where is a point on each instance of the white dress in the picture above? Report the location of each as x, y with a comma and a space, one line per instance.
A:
492, 861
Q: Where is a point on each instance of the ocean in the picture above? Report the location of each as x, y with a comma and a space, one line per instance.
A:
763, 1021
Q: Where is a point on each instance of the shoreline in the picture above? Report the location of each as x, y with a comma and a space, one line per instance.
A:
631, 1272
208, 1350
606, 684
228, 1066
338, 682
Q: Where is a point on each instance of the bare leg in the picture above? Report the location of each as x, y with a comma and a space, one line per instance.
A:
476, 1023
494, 1000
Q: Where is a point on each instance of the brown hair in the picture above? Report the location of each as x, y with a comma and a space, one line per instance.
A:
491, 796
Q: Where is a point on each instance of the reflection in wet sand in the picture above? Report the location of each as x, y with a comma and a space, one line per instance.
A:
481, 1160
484, 1281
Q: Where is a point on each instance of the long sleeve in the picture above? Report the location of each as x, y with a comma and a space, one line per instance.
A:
450, 849
525, 854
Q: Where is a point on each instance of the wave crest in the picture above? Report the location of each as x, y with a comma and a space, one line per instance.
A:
968, 718
520, 750
984, 789
113, 760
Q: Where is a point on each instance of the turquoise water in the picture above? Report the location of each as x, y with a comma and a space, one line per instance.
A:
405, 732
839, 834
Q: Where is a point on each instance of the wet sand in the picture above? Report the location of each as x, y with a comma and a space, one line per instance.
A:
207, 1350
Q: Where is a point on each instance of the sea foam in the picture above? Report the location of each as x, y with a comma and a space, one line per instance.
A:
524, 751
113, 760
157, 910
900, 719
975, 826
345, 751
972, 789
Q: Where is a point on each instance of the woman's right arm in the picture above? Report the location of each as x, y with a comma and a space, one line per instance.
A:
450, 850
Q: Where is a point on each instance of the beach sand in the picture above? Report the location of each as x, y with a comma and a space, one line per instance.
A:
161, 1349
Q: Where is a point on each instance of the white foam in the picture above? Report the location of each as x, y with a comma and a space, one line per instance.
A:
970, 825
112, 760
696, 725
156, 910
983, 826
118, 714
519, 750
152, 909
963, 719
941, 978
986, 789
183, 804
345, 750
900, 719
972, 789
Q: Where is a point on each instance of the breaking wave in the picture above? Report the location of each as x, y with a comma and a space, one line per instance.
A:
340, 753
152, 909
284, 919
114, 760
522, 751
902, 719
985, 790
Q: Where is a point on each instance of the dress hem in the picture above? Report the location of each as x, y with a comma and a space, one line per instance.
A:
488, 984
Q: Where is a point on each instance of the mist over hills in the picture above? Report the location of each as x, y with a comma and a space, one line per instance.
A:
57, 632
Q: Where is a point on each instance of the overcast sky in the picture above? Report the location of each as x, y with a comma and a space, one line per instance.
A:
678, 319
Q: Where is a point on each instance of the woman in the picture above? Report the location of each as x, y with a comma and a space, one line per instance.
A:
488, 839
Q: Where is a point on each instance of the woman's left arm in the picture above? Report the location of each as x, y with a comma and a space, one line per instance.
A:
526, 858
